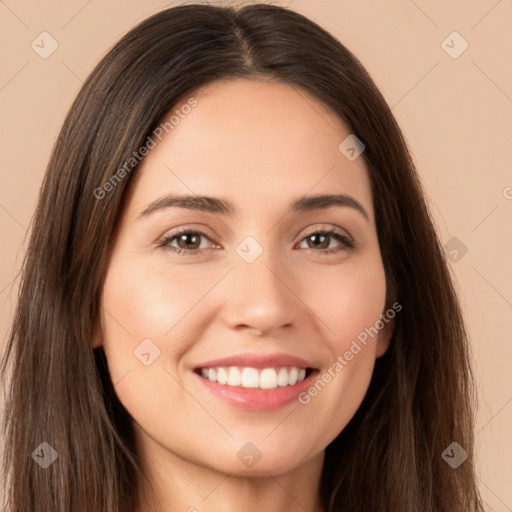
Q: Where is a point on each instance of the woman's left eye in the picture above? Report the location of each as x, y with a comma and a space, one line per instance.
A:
322, 240
189, 242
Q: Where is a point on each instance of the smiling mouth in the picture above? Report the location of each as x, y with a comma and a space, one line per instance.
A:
255, 378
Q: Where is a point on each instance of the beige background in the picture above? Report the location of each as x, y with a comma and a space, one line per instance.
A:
456, 114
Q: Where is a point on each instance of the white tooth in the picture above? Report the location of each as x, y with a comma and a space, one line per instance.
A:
268, 378
292, 376
212, 375
302, 375
222, 376
204, 372
282, 377
235, 377
250, 378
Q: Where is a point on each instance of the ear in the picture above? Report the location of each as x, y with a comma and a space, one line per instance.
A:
97, 338
384, 336
96, 342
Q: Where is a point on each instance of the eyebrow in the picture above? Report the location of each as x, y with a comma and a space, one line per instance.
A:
221, 206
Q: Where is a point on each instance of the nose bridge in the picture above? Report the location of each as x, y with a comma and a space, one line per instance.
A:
260, 296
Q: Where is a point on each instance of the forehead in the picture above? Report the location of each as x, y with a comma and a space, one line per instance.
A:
252, 142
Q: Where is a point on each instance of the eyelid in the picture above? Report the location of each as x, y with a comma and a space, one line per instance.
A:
324, 228
201, 230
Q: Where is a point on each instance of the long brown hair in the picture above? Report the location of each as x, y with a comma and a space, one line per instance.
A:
421, 397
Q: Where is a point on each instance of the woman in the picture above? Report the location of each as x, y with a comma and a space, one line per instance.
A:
234, 296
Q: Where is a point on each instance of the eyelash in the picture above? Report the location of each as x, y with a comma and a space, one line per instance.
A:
165, 242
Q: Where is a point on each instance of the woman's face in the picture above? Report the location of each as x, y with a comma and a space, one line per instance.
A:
271, 295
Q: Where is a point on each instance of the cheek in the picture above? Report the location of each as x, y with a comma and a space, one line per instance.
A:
137, 306
147, 300
143, 310
150, 308
349, 301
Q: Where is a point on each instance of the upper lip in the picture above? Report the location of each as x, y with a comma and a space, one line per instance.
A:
258, 361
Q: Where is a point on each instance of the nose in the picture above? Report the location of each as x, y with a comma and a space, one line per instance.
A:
260, 298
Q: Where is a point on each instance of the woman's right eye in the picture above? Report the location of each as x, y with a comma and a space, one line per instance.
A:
187, 242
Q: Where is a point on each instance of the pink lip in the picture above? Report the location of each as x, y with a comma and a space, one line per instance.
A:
258, 361
258, 400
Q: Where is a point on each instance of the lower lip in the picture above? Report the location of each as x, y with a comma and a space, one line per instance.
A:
256, 399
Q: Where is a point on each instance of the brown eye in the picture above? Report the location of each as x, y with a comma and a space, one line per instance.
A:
188, 241
185, 241
318, 241
321, 240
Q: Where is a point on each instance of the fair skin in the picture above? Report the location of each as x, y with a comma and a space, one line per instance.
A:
259, 146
